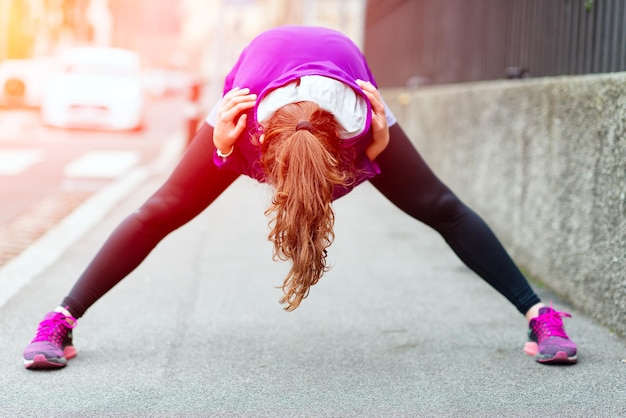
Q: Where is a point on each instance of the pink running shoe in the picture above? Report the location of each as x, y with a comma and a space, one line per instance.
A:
549, 342
52, 345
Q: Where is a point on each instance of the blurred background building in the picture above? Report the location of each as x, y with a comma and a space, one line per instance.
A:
201, 37
186, 33
407, 42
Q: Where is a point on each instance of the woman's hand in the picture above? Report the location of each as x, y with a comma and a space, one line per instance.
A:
231, 118
380, 130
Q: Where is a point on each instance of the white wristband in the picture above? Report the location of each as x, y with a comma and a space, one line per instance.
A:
221, 154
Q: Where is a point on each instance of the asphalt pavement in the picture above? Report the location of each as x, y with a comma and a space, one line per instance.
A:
397, 328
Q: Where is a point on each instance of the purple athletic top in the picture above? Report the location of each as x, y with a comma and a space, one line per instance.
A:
284, 54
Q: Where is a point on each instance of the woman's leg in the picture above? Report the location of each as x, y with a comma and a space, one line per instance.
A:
194, 184
409, 183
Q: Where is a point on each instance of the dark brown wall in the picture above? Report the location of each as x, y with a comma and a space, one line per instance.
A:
449, 41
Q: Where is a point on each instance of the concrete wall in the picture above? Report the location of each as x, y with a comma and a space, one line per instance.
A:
544, 162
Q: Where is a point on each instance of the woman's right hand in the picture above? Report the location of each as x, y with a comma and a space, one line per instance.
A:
232, 117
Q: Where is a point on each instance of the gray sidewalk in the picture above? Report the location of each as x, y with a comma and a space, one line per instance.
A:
398, 327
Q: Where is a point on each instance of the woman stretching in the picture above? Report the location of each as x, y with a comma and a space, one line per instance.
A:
301, 112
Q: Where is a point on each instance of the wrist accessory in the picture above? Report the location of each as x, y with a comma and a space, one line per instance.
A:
221, 154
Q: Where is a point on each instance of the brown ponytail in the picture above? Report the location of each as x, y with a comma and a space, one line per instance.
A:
304, 166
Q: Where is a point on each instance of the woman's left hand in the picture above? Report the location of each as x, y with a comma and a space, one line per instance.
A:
380, 130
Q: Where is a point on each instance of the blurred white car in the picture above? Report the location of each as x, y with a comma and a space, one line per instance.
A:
97, 88
162, 82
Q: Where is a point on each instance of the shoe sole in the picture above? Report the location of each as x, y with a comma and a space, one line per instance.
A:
560, 357
41, 362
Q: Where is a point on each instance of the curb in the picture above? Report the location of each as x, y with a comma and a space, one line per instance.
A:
48, 249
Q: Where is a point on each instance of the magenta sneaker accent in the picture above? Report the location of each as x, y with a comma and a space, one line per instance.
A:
52, 345
548, 341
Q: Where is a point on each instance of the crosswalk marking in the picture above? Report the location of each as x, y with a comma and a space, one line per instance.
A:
93, 165
102, 164
13, 162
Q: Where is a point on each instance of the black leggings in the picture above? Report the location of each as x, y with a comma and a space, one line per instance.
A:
406, 181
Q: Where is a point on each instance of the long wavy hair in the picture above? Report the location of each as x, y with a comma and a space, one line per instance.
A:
304, 167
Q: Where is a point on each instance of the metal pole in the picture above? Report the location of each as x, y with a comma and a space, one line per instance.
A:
5, 6
217, 53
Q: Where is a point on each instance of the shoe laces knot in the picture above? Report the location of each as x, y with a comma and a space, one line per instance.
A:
550, 324
54, 328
